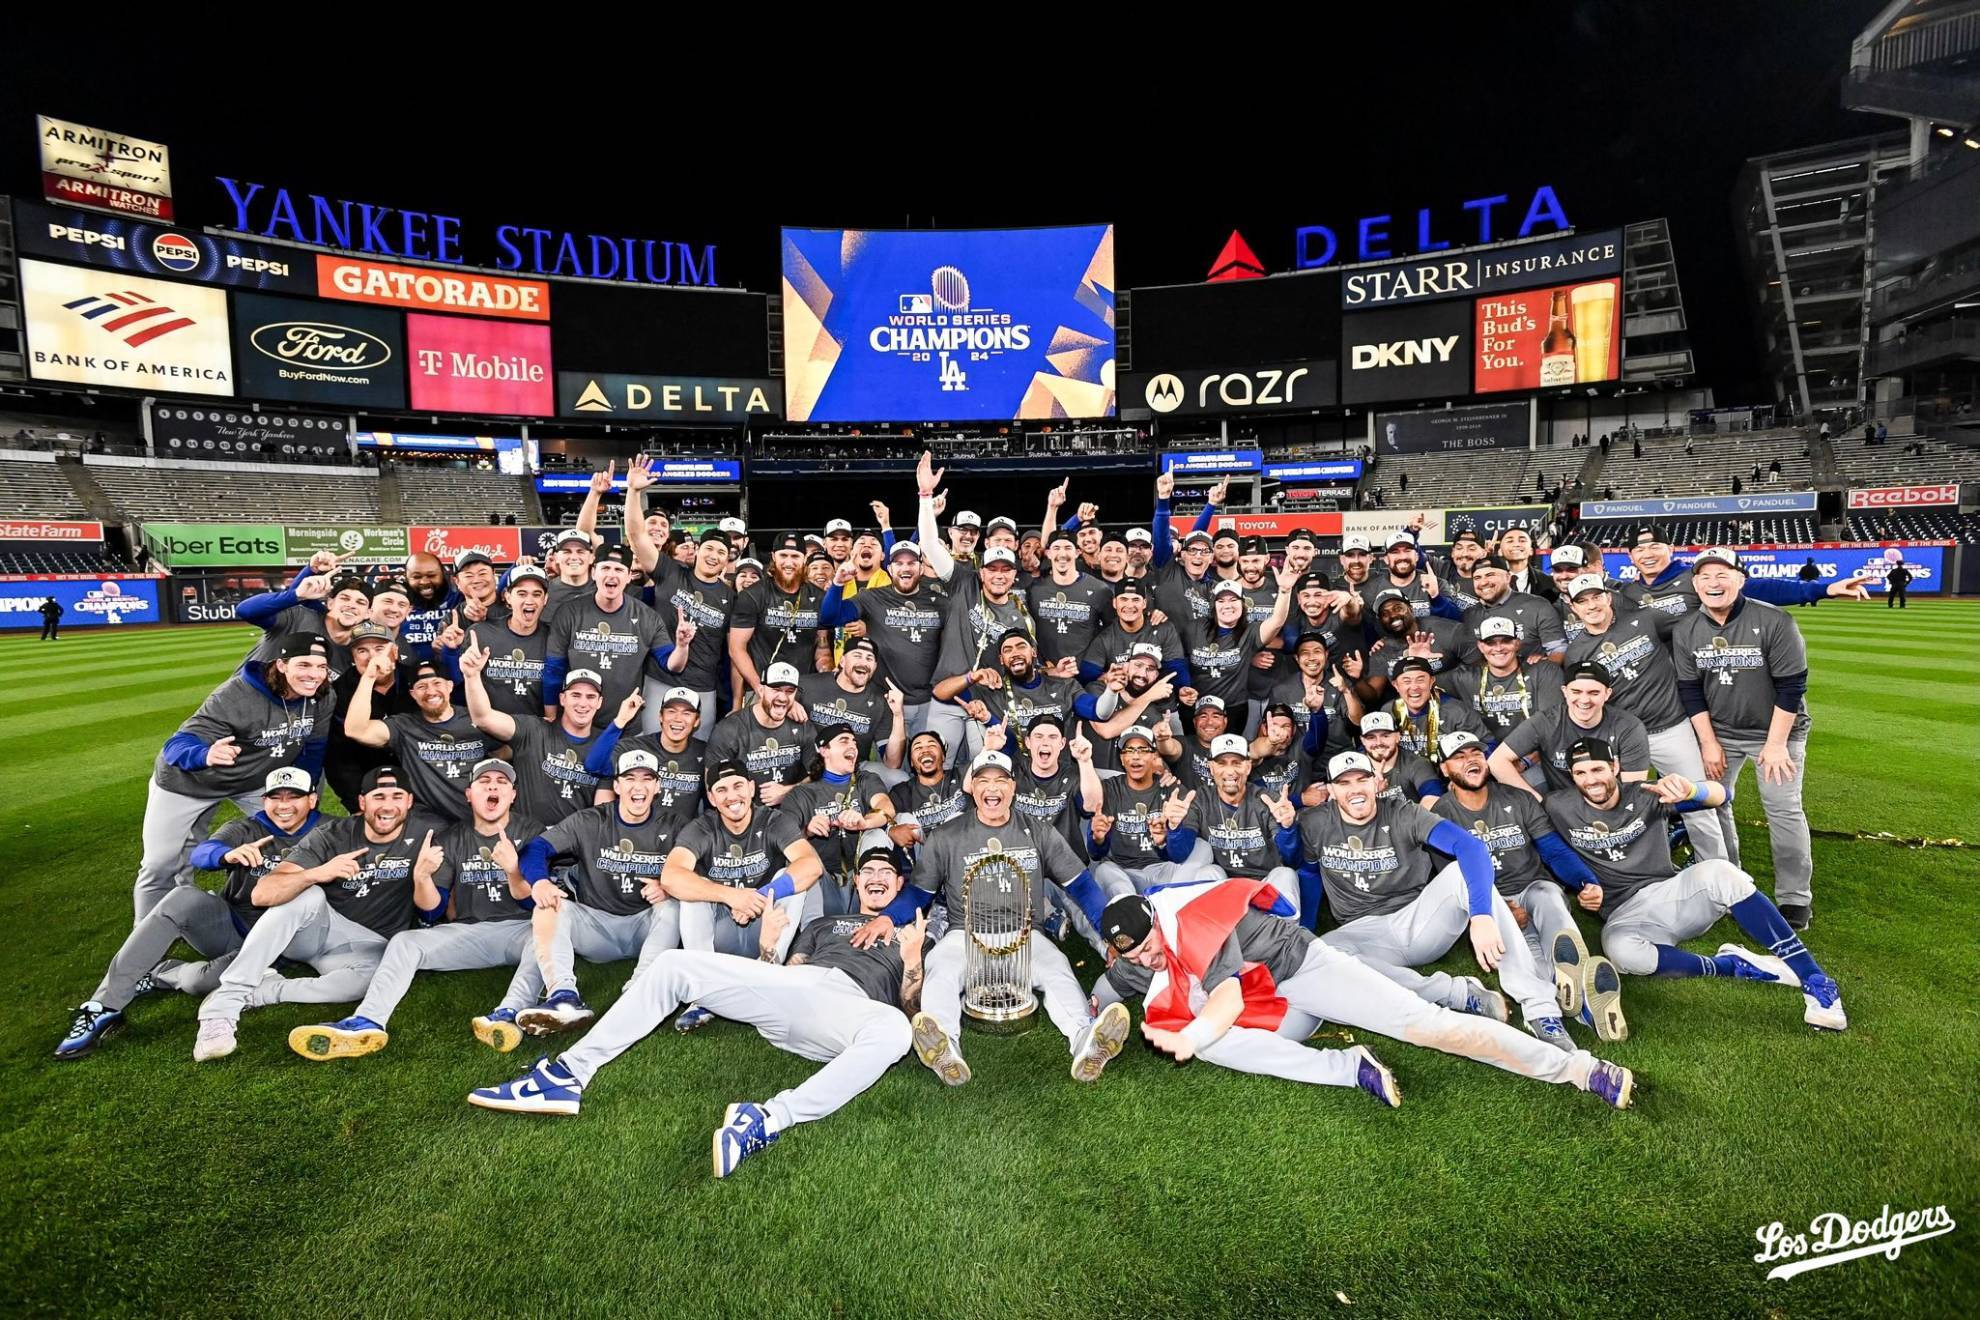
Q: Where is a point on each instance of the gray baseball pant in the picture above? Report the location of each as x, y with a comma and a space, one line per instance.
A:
813, 1012
1394, 943
1787, 822
1116, 879
961, 735
1671, 911
600, 937
1051, 974
1547, 914
307, 929
1333, 986
1282, 878
1674, 751
173, 823
452, 947
712, 927
186, 913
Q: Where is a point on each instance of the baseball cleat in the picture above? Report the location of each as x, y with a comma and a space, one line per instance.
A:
693, 1018
934, 1048
1799, 916
1103, 1041
1550, 1030
498, 1030
1614, 1083
545, 1089
147, 985
563, 1011
1374, 1077
215, 1040
1482, 1001
1751, 966
346, 1039
1601, 996
745, 1130
1570, 956
1822, 1005
92, 1023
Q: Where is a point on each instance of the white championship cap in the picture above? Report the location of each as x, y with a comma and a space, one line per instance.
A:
1348, 763
1229, 744
287, 777
780, 675
1452, 743
1378, 721
1586, 582
990, 761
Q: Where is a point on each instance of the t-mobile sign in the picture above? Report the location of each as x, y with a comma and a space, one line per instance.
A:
458, 365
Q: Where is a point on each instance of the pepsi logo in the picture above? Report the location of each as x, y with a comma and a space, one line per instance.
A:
175, 252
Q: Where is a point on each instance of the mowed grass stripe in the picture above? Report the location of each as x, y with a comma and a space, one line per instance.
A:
89, 712
96, 640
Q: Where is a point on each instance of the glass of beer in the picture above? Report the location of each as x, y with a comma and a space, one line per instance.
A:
1594, 309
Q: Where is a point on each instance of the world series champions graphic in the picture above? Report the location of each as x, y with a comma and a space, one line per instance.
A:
972, 325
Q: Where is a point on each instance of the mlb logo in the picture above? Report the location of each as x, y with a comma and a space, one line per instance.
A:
917, 304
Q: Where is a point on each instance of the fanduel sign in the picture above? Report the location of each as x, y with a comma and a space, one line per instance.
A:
1375, 238
1702, 506
388, 231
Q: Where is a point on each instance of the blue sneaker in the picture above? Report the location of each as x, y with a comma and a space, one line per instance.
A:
1550, 1030
1751, 966
544, 1089
1601, 995
693, 1018
339, 1040
1373, 1077
92, 1023
1615, 1084
745, 1130
498, 1030
562, 1011
1822, 1004
1481, 1001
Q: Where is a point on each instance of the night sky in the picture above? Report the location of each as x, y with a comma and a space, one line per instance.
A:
1187, 128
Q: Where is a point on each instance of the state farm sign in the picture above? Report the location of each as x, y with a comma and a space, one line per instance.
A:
35, 529
458, 365
1906, 497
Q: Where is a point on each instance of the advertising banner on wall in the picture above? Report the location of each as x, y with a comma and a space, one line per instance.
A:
1927, 564
1316, 470
308, 351
1489, 270
103, 327
421, 288
666, 398
666, 472
218, 544
1192, 391
1380, 524
39, 533
143, 247
1414, 352
1273, 525
538, 542
458, 365
501, 544
180, 430
1701, 506
1198, 462
955, 325
211, 597
1941, 496
1453, 430
84, 166
1489, 522
86, 602
361, 545
1544, 338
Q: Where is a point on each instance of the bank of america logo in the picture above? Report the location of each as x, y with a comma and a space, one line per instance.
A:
146, 320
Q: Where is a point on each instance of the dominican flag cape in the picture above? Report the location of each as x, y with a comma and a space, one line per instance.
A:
1195, 920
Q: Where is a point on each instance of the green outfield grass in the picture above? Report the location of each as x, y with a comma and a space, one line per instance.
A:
137, 1181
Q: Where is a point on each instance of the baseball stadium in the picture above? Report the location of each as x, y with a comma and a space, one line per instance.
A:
1165, 740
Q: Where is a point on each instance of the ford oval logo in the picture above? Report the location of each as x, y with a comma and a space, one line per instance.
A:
318, 343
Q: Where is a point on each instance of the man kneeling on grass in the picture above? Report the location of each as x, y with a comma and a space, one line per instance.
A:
836, 999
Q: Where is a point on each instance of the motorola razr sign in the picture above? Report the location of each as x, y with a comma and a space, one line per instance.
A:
1275, 387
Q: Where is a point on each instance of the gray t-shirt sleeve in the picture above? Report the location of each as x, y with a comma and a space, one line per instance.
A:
1228, 963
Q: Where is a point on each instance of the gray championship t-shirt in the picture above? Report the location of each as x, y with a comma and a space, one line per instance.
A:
1242, 838
827, 942
1738, 661
1038, 852
269, 732
437, 759
514, 677
615, 644
747, 859
907, 632
1507, 825
380, 896
238, 890
784, 625
708, 604
1502, 704
1377, 866
1069, 617
682, 795
1553, 735
1642, 678
835, 849
551, 781
931, 805
477, 886
865, 713
775, 754
614, 857
1628, 846
1128, 844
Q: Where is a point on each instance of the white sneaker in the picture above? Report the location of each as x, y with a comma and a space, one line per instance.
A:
216, 1040
1764, 962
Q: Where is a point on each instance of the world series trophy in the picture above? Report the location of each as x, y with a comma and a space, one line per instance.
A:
996, 921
